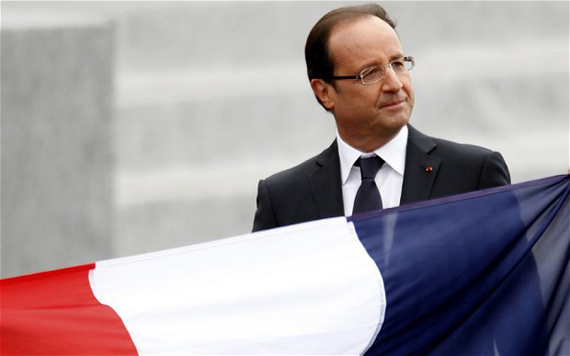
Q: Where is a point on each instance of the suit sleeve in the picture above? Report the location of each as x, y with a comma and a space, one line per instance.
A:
264, 215
494, 172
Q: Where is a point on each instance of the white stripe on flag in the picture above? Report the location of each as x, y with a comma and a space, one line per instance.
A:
309, 288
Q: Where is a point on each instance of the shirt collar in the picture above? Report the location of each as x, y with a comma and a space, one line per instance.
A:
393, 153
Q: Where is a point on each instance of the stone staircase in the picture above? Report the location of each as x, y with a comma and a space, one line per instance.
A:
212, 96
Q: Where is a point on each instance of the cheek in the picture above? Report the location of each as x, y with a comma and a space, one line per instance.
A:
357, 100
410, 92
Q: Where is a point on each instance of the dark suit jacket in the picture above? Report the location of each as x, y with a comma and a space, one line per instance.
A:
312, 190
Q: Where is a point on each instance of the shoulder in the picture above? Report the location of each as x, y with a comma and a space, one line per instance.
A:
285, 197
462, 161
450, 149
301, 171
445, 148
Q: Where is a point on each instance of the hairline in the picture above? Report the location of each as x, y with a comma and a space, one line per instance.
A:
345, 21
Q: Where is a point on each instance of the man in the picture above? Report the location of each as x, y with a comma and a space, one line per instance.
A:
359, 72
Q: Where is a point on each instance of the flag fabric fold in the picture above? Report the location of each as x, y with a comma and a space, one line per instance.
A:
483, 273
475, 275
56, 313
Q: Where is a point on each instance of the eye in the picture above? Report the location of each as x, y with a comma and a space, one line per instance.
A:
398, 65
371, 73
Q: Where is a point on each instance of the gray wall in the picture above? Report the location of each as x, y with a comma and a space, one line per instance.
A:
57, 161
210, 94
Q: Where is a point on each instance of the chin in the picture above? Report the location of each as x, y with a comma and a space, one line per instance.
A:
396, 124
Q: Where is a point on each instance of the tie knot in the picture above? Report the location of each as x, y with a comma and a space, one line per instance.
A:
369, 166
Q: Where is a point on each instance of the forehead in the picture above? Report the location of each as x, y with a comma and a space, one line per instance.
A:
361, 42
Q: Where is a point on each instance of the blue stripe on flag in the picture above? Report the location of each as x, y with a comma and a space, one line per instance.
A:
484, 273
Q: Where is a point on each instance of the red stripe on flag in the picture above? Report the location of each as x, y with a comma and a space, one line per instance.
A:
56, 313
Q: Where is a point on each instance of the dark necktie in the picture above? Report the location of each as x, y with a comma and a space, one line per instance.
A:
368, 196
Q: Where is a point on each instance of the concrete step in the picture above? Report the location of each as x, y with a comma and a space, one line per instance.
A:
212, 94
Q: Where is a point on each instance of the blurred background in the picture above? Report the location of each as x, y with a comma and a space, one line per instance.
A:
130, 127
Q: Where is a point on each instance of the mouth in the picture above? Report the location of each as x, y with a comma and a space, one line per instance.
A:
392, 104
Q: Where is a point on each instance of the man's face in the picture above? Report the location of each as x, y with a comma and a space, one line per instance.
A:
367, 116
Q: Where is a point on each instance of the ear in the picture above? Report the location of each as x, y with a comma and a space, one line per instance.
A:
325, 92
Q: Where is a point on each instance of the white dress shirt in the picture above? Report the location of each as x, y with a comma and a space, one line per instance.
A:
390, 177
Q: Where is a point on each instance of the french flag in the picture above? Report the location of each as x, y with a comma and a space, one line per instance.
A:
483, 273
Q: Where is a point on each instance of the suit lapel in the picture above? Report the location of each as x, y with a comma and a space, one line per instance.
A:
419, 176
421, 168
325, 183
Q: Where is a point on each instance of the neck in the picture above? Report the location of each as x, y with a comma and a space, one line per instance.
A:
368, 143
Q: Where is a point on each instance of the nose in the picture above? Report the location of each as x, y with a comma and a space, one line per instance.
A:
391, 82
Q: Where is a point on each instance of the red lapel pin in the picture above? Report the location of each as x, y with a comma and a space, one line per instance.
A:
429, 169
